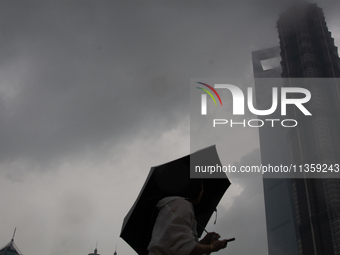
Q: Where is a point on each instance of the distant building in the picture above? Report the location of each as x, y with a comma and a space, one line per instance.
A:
307, 47
115, 253
303, 215
279, 205
10, 248
94, 253
308, 51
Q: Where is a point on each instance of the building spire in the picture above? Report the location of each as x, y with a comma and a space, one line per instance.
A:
95, 250
115, 253
13, 235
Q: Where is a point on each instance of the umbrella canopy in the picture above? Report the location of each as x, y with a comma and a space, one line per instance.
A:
171, 179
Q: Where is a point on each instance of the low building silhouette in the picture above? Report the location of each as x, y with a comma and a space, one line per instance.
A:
10, 248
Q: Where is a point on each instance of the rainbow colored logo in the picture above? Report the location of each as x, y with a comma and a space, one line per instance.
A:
208, 92
204, 97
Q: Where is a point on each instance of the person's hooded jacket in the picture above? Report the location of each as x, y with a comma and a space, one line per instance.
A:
174, 232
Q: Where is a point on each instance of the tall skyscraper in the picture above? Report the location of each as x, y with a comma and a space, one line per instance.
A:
307, 47
307, 50
279, 203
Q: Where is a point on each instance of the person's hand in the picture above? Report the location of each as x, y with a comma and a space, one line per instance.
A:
218, 245
209, 238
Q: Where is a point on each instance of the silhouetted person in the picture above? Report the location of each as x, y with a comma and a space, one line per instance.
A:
175, 233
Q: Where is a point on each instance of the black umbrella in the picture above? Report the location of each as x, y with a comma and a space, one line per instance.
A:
172, 179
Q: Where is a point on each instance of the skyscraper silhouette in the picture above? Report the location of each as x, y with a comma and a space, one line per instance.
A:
279, 204
307, 47
307, 50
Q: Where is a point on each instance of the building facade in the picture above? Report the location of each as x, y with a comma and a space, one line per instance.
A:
307, 50
279, 203
309, 209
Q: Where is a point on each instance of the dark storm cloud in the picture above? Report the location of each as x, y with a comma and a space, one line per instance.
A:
85, 80
85, 76
74, 78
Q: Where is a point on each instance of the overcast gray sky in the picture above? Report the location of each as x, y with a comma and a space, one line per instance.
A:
94, 93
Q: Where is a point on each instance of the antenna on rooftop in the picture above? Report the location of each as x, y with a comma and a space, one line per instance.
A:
115, 253
95, 250
14, 234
